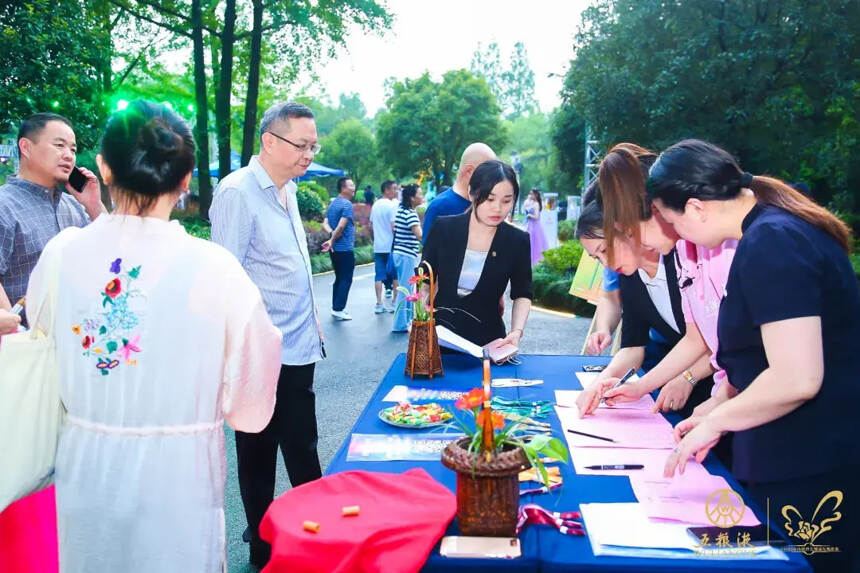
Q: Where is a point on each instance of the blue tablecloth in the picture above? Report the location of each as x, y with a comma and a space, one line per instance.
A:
544, 549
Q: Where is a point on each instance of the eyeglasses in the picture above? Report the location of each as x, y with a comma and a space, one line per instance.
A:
313, 148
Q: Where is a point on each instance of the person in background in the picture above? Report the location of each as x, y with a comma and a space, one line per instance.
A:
476, 255
406, 246
456, 200
382, 226
140, 461
341, 246
255, 215
369, 197
531, 210
33, 206
789, 339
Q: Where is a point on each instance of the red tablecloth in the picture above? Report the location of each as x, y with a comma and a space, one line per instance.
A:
28, 534
402, 516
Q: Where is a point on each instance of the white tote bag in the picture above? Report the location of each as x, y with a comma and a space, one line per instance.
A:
31, 412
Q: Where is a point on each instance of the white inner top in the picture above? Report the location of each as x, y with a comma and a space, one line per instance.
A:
470, 274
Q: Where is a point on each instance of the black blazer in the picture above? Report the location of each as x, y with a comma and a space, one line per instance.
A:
509, 260
639, 312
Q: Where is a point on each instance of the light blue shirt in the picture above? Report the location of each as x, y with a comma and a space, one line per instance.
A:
249, 220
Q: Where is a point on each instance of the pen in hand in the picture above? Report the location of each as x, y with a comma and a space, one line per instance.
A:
621, 381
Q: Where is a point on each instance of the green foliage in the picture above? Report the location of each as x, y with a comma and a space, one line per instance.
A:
551, 290
566, 230
514, 84
428, 124
563, 259
320, 263
351, 147
775, 83
568, 139
310, 206
196, 226
49, 65
316, 189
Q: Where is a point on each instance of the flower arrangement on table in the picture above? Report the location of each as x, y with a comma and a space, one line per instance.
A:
506, 434
422, 310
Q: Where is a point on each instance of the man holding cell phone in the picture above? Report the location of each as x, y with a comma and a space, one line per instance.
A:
33, 207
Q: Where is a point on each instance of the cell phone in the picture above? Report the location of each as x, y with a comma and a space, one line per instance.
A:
77, 179
593, 368
480, 547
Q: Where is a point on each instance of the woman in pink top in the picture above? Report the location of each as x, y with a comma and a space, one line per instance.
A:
702, 275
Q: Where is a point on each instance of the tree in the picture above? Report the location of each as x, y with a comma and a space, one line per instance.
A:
518, 84
351, 147
514, 85
428, 124
773, 82
568, 140
48, 65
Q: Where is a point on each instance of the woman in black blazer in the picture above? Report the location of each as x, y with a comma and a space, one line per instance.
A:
656, 305
475, 255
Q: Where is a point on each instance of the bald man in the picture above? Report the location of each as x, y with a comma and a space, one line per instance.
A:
456, 200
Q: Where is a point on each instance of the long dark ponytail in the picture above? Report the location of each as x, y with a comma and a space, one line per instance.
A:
697, 169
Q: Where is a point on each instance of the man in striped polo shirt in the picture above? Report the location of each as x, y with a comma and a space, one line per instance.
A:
255, 215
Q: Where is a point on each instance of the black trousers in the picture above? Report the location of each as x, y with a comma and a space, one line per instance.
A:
293, 428
343, 263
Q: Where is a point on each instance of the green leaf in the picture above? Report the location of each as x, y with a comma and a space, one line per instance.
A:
133, 273
555, 448
111, 346
102, 330
105, 372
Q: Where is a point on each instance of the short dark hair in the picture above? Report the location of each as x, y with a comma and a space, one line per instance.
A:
590, 222
407, 193
284, 112
150, 150
489, 174
33, 125
386, 185
341, 183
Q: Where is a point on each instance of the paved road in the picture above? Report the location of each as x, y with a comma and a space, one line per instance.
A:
359, 354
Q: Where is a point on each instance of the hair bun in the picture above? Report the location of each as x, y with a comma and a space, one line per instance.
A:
158, 141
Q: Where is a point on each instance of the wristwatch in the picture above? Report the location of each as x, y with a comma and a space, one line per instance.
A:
688, 376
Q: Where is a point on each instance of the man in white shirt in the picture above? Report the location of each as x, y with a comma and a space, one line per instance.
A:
382, 224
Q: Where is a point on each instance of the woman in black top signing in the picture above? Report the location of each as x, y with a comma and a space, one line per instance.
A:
475, 255
789, 340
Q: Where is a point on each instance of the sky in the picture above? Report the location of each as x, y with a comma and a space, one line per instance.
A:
442, 35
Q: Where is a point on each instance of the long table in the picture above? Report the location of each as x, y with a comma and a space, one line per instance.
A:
544, 549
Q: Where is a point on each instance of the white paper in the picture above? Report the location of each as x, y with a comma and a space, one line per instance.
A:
450, 339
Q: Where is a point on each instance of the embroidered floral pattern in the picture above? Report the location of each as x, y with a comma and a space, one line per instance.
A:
111, 339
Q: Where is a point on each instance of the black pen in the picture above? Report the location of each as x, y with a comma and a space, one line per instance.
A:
591, 436
621, 381
617, 467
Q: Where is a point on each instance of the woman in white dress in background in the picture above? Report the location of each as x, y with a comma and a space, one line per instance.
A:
160, 337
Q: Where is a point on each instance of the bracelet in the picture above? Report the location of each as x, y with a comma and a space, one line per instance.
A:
688, 376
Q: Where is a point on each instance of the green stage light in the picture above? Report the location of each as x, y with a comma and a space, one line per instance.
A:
121, 104
55, 104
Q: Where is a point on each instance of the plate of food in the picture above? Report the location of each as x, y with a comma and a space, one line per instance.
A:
406, 415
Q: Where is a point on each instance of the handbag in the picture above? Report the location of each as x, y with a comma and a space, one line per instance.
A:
31, 412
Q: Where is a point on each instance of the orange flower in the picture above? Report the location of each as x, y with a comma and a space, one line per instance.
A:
416, 279
498, 420
76, 329
472, 399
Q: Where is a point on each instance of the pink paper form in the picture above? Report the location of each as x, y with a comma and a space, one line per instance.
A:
567, 399
653, 460
629, 428
694, 497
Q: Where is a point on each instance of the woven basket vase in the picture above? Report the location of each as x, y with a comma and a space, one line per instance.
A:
423, 356
488, 493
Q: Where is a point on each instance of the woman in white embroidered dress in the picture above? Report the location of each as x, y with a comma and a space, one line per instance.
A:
160, 337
